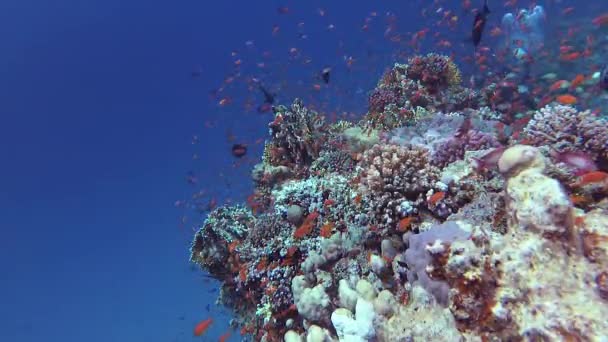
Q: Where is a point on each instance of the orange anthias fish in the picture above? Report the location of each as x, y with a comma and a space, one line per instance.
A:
570, 56
326, 230
593, 177
306, 227
601, 20
224, 337
436, 197
566, 99
202, 326
404, 224
577, 81
558, 84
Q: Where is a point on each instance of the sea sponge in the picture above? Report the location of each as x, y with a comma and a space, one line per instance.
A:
519, 157
418, 256
534, 201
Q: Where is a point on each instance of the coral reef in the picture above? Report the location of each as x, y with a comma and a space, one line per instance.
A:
424, 221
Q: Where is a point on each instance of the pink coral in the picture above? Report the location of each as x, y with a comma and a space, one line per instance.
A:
453, 149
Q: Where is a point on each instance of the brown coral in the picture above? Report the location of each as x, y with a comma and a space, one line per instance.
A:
393, 175
297, 134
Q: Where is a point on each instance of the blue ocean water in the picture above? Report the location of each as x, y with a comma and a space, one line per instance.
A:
99, 108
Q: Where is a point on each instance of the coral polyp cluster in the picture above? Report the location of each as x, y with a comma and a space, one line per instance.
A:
421, 222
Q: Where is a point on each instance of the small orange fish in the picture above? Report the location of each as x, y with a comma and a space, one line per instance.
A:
436, 197
328, 202
262, 264
404, 224
580, 199
577, 81
568, 57
495, 32
326, 230
232, 246
579, 220
592, 177
566, 99
567, 10
243, 274
557, 85
306, 227
224, 337
202, 326
601, 20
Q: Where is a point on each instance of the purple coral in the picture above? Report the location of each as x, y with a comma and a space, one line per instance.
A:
564, 129
418, 258
381, 97
454, 148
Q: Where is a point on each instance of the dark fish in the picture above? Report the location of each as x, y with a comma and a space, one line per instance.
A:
325, 74
603, 82
268, 96
479, 23
239, 150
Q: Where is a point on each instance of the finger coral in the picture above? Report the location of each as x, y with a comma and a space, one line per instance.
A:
395, 179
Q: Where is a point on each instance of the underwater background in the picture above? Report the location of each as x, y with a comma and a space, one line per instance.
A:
119, 121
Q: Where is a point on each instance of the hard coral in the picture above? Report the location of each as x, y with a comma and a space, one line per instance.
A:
392, 175
434, 71
452, 149
211, 244
296, 135
563, 128
426, 83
